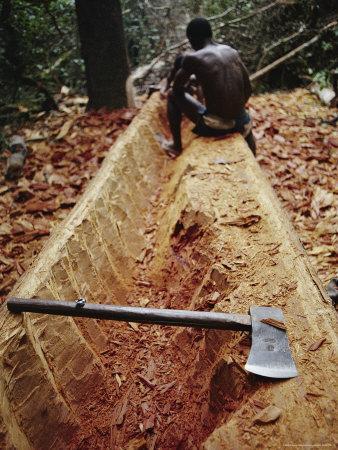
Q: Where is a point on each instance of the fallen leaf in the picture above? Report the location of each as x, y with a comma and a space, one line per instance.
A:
34, 206
29, 236
35, 136
274, 323
269, 414
321, 199
3, 189
65, 129
315, 346
5, 228
258, 134
280, 139
333, 141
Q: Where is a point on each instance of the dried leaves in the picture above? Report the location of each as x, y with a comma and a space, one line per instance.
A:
299, 152
65, 151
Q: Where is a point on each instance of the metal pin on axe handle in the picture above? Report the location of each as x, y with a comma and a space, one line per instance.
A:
270, 354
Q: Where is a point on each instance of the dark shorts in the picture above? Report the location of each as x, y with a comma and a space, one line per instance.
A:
242, 125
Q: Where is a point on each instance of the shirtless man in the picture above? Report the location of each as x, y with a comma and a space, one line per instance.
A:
226, 89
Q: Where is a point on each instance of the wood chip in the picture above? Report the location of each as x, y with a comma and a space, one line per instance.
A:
144, 302
165, 387
118, 379
244, 221
146, 381
274, 323
133, 325
143, 283
315, 346
120, 410
258, 403
270, 414
149, 423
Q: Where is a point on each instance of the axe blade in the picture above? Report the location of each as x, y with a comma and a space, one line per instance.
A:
270, 354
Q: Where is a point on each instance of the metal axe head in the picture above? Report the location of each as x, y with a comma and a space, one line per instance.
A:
270, 354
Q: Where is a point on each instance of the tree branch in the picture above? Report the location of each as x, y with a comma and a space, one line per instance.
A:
290, 54
223, 14
277, 44
251, 14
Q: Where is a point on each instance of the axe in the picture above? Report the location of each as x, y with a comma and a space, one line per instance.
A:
270, 354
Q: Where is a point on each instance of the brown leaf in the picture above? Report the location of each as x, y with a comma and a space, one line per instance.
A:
274, 323
280, 139
5, 229
34, 206
270, 414
65, 129
333, 141
315, 346
3, 189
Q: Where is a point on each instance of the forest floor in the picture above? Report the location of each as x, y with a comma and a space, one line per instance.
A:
297, 150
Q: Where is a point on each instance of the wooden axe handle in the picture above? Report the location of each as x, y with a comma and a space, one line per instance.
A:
180, 318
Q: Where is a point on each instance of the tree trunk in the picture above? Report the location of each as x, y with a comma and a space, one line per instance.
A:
104, 53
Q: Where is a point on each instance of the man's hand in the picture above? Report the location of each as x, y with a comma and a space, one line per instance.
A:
164, 87
163, 92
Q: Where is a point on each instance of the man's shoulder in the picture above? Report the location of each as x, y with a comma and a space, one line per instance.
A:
216, 50
227, 49
190, 59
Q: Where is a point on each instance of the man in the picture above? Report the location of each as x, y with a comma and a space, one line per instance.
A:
226, 89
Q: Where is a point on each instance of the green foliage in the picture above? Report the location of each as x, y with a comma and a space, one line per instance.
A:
152, 26
38, 49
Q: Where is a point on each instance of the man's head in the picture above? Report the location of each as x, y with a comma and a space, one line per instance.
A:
199, 32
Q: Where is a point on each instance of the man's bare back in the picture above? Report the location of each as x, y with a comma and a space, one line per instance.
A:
225, 84
223, 78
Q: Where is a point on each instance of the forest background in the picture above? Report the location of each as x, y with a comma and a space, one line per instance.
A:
40, 46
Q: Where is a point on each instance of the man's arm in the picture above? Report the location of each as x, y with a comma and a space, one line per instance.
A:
183, 75
246, 80
176, 67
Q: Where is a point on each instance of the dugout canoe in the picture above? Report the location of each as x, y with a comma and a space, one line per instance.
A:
203, 232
